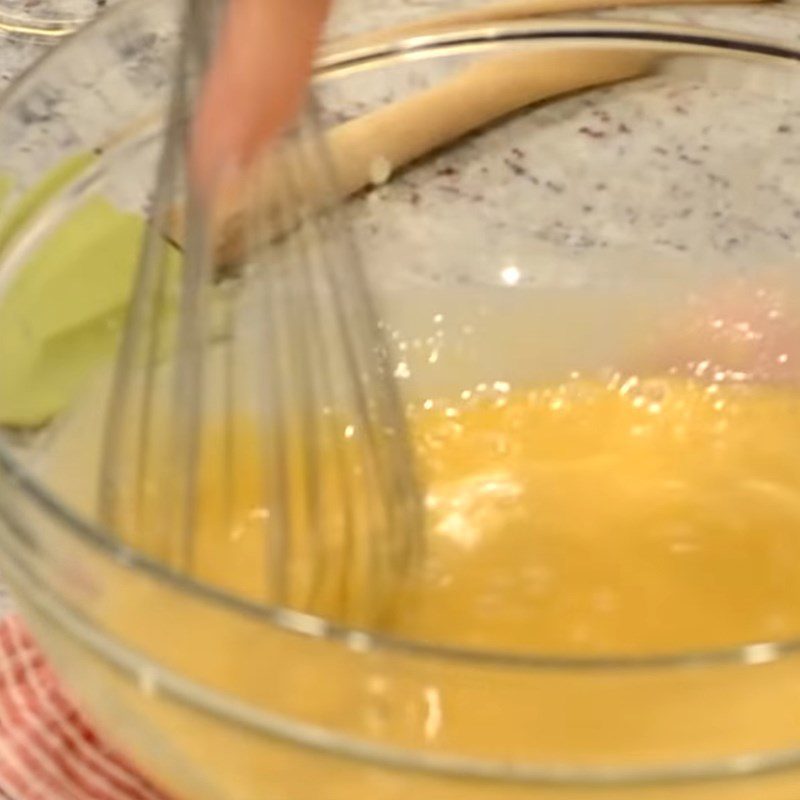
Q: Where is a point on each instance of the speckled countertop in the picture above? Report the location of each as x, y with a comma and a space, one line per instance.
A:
702, 197
712, 190
780, 21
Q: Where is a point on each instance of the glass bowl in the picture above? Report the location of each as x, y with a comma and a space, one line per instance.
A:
577, 227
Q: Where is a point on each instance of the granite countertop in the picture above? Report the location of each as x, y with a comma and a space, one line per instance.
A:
780, 21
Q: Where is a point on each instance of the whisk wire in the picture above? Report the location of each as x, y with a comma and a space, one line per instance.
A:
379, 401
285, 352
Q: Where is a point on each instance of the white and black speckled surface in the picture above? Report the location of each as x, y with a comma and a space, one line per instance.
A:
702, 163
781, 21
692, 167
15, 56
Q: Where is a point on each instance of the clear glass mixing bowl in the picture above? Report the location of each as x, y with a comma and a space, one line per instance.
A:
556, 227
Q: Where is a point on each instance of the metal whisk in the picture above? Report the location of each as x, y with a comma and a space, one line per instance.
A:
254, 378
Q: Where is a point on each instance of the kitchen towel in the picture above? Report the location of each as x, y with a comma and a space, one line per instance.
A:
48, 749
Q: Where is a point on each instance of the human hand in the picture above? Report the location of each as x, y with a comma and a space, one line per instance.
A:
256, 83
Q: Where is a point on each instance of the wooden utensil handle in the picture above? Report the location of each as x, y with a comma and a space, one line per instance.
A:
408, 129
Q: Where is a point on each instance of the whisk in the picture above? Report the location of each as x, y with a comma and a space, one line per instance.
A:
262, 383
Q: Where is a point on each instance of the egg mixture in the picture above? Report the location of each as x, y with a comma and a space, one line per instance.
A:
636, 515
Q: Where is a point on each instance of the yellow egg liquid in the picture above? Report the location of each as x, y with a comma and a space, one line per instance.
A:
638, 516
635, 516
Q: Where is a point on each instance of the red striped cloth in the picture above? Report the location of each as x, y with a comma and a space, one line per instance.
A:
48, 749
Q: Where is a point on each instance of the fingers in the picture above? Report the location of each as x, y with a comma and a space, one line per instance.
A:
256, 84
737, 329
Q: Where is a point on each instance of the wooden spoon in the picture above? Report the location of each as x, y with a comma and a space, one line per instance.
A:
401, 132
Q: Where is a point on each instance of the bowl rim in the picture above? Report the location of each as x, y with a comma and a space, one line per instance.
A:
39, 27
336, 61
